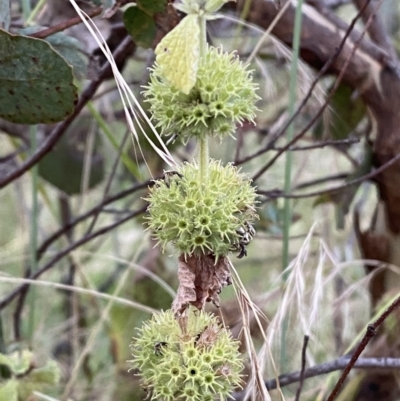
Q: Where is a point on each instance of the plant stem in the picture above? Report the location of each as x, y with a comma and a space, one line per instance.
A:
203, 142
26, 11
32, 14
203, 37
203, 158
34, 229
287, 216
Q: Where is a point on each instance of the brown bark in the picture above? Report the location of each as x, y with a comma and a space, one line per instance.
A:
373, 72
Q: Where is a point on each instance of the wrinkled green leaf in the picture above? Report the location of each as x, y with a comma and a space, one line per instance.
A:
67, 46
140, 26
345, 114
36, 84
63, 166
152, 6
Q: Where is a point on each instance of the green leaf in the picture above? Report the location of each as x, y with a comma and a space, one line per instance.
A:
140, 26
345, 114
36, 83
63, 166
39, 379
9, 390
152, 6
5, 360
67, 46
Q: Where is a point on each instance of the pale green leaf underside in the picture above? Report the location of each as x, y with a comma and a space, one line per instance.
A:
178, 54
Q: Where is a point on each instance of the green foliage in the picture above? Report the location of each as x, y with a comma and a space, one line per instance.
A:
140, 25
139, 21
201, 217
36, 83
223, 96
346, 114
193, 364
26, 377
152, 6
63, 167
9, 390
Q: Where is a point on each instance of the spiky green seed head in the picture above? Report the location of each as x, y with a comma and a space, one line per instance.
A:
202, 216
224, 95
193, 364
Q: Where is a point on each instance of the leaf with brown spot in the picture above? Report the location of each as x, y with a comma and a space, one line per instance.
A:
28, 67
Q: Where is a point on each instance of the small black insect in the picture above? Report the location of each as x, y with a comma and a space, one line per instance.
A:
246, 234
158, 347
167, 177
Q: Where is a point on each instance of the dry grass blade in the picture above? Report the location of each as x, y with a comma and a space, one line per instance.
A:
72, 288
256, 388
127, 97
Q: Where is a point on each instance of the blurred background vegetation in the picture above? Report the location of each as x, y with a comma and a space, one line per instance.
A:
325, 258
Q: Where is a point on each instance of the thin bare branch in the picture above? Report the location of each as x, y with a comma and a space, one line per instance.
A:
320, 144
370, 332
59, 233
332, 366
8, 298
372, 174
303, 367
62, 26
329, 97
376, 30
308, 95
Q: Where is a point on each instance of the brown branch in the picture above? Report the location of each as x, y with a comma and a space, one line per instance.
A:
308, 95
327, 100
123, 49
328, 367
376, 30
65, 24
367, 46
365, 177
98, 208
370, 332
109, 181
322, 180
320, 144
303, 367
